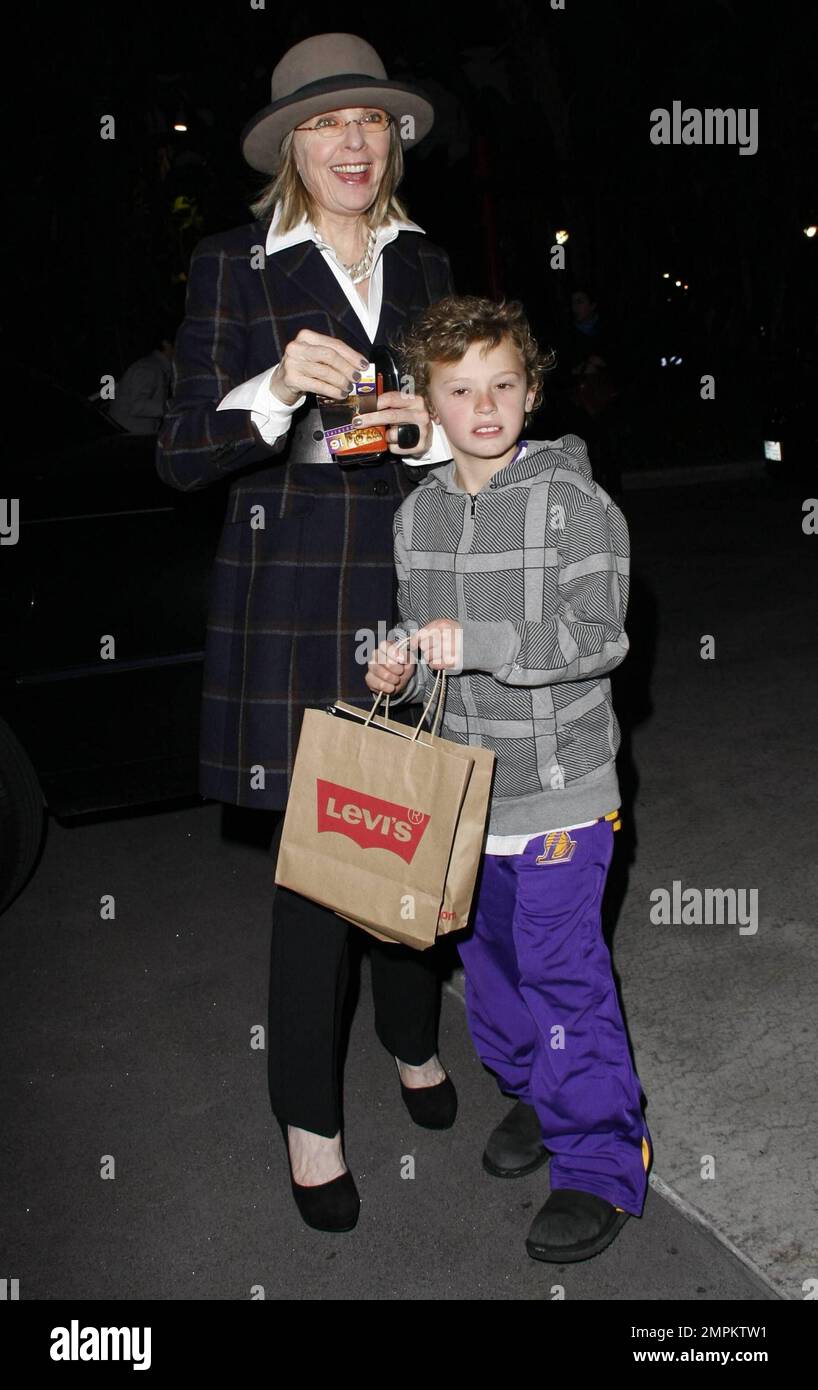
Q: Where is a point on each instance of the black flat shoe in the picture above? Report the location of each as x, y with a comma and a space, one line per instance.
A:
573, 1226
515, 1147
331, 1206
433, 1107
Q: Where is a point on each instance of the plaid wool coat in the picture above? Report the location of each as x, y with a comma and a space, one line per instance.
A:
286, 599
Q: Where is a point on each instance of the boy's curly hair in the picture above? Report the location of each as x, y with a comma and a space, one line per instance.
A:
445, 331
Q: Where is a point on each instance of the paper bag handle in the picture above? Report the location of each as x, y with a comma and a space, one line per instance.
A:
438, 690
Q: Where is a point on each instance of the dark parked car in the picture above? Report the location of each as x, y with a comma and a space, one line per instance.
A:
103, 599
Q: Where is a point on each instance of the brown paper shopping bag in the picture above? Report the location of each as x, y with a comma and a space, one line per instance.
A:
467, 845
370, 823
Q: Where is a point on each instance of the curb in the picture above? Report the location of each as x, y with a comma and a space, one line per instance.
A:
456, 986
692, 473
705, 1223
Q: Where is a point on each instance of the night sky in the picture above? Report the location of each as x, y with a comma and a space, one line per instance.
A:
544, 123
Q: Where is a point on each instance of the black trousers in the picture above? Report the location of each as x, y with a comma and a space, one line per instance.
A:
309, 974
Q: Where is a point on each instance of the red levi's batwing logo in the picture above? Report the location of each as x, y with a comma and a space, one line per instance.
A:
369, 821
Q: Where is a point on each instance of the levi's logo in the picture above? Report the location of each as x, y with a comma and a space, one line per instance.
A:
369, 821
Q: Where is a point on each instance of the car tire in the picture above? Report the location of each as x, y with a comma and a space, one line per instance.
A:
22, 816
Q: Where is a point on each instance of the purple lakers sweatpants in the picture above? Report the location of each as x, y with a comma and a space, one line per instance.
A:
544, 1015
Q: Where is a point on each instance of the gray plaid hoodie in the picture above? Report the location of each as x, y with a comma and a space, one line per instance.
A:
535, 567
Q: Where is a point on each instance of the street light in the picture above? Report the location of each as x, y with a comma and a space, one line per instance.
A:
810, 230
562, 236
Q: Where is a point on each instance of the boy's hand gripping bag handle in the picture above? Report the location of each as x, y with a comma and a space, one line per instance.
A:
438, 691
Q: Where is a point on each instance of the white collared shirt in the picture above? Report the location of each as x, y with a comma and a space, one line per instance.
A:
271, 417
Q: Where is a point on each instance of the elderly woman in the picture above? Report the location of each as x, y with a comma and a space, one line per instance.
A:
277, 311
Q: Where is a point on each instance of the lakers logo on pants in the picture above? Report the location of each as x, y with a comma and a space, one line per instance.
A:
558, 847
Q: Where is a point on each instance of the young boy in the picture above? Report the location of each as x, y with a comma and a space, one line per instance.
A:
513, 576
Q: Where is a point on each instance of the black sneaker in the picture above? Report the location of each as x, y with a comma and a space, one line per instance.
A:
573, 1226
515, 1147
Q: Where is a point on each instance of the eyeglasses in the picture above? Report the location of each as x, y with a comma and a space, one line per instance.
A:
328, 126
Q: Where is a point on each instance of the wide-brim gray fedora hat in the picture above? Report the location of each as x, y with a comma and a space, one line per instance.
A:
325, 73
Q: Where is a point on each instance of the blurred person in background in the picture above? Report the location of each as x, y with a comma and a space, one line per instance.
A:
142, 392
590, 367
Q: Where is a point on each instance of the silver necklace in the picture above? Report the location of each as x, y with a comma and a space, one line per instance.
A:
359, 269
